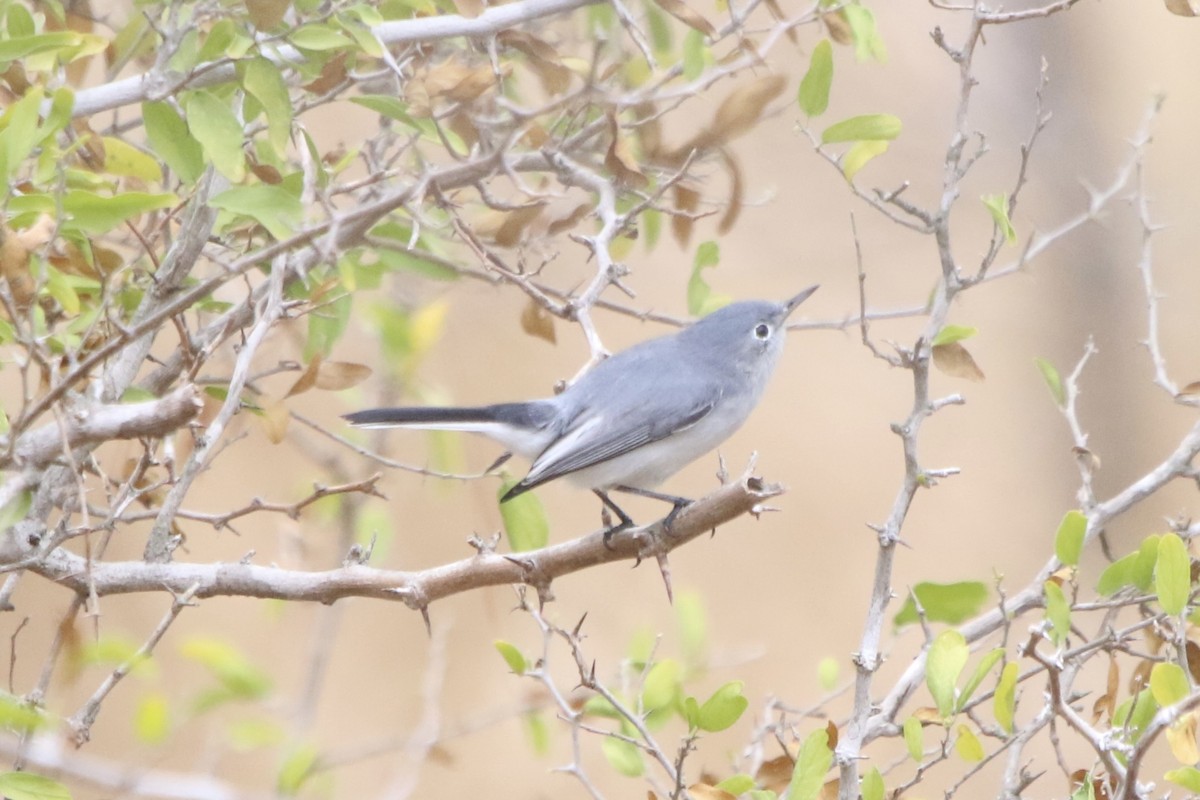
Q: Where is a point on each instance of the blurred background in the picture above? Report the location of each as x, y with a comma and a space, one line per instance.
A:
779, 593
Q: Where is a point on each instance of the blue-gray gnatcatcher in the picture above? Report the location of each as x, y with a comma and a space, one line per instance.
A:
637, 417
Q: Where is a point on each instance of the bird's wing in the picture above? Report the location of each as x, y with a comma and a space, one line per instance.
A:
599, 436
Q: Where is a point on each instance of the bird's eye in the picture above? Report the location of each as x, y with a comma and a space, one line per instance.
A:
762, 330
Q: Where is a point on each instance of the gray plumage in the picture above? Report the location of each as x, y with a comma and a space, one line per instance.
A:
637, 417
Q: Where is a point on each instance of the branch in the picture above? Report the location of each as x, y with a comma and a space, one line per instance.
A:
416, 589
153, 86
153, 418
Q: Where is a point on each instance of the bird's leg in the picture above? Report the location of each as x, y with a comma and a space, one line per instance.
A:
679, 503
625, 523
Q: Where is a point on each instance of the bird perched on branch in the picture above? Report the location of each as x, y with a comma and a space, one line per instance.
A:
636, 418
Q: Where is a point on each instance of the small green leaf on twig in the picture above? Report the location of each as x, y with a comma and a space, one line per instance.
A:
997, 204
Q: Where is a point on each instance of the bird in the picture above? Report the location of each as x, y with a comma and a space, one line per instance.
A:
635, 418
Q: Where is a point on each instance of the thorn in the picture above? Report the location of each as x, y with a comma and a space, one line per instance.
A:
579, 625
498, 463
428, 626
665, 569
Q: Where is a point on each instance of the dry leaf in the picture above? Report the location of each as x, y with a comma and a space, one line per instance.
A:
267, 174
274, 420
92, 153
649, 130
307, 379
683, 13
1140, 678
333, 376
831, 732
839, 29
543, 59
954, 360
733, 207
570, 220
740, 111
475, 83
686, 201
537, 321
469, 8
927, 715
1106, 703
1184, 8
332, 74
1087, 458
619, 159
463, 124
776, 774
266, 14
1193, 660
14, 268
1191, 390
830, 790
515, 222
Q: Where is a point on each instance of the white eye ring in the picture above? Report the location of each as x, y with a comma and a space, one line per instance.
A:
762, 330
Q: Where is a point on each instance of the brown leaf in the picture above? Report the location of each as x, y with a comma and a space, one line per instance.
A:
733, 208
1184, 8
307, 379
469, 8
266, 14
619, 159
839, 29
570, 220
475, 82
954, 360
683, 13
1087, 457
779, 16
333, 376
274, 420
14, 268
776, 774
515, 222
537, 322
927, 715
266, 173
92, 153
1193, 660
831, 732
830, 790
686, 201
1191, 390
648, 130
543, 59
333, 72
740, 111
1106, 703
1140, 678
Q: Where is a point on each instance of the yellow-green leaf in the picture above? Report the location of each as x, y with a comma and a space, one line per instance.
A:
1168, 683
1172, 574
94, 213
859, 154
814, 86
913, 739
524, 519
947, 656
1053, 381
1068, 542
272, 206
27, 786
152, 719
700, 296
170, 139
264, 82
219, 132
866, 126
812, 762
873, 787
623, 756
951, 603
122, 158
997, 206
1187, 777
981, 671
512, 656
950, 334
1004, 702
1058, 612
967, 745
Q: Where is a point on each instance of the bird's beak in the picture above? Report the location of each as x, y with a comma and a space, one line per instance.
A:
790, 305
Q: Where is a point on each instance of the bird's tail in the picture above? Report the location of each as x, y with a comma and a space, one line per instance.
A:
446, 418
523, 428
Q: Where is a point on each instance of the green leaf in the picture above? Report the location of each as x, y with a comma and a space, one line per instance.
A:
1135, 714
229, 666
272, 206
1168, 683
1068, 542
814, 86
94, 213
872, 787
122, 158
416, 262
538, 732
981, 671
20, 133
524, 518
914, 739
827, 673
967, 745
812, 762
263, 81
219, 132
997, 206
737, 784
19, 21
695, 54
27, 786
700, 297
326, 326
512, 656
319, 37
951, 603
20, 717
623, 756
950, 334
867, 126
1053, 381
1058, 612
762, 794
15, 47
947, 657
250, 734
661, 687
867, 42
1187, 777
296, 769
1144, 567
1004, 702
693, 626
1172, 574
60, 289
859, 154
723, 708
152, 719
170, 139
1117, 575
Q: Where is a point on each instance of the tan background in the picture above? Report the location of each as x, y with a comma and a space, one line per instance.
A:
790, 589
